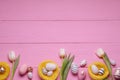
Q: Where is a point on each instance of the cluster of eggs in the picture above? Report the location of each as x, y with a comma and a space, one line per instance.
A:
96, 71
49, 69
74, 67
75, 71
25, 69
4, 70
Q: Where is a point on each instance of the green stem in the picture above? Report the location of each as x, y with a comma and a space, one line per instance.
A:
14, 67
11, 77
107, 62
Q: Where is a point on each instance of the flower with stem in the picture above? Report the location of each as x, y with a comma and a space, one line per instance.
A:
62, 53
15, 62
12, 56
101, 54
66, 64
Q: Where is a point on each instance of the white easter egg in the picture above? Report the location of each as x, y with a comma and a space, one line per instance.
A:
94, 69
51, 66
44, 71
112, 62
23, 69
83, 63
49, 73
74, 68
30, 75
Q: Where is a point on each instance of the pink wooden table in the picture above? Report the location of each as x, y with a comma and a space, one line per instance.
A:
38, 29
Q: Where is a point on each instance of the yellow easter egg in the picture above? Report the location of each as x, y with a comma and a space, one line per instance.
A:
45, 77
6, 72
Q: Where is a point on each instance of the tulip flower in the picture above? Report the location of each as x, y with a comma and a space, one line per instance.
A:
14, 67
66, 64
15, 62
62, 53
12, 56
101, 54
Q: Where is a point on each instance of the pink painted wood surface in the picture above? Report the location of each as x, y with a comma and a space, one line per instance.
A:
59, 10
60, 31
38, 28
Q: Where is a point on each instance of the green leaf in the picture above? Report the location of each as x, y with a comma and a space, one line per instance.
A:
64, 64
65, 67
107, 62
15, 65
68, 68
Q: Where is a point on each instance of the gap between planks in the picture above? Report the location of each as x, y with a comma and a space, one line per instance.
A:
114, 43
64, 20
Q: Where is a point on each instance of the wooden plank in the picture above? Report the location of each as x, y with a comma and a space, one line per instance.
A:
60, 10
59, 32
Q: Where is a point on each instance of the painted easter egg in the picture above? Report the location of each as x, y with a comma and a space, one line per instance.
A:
51, 66
23, 69
49, 73
4, 70
94, 69
30, 75
117, 73
83, 63
30, 69
81, 75
44, 71
112, 62
101, 71
74, 68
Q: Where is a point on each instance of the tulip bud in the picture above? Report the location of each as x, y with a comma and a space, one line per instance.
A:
62, 53
11, 56
100, 53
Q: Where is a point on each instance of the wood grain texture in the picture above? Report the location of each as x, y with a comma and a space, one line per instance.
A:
38, 29
60, 31
60, 10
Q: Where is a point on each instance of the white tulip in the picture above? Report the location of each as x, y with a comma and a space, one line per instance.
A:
100, 52
12, 56
62, 53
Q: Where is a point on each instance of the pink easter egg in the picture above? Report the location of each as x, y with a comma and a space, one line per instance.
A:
23, 69
81, 75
